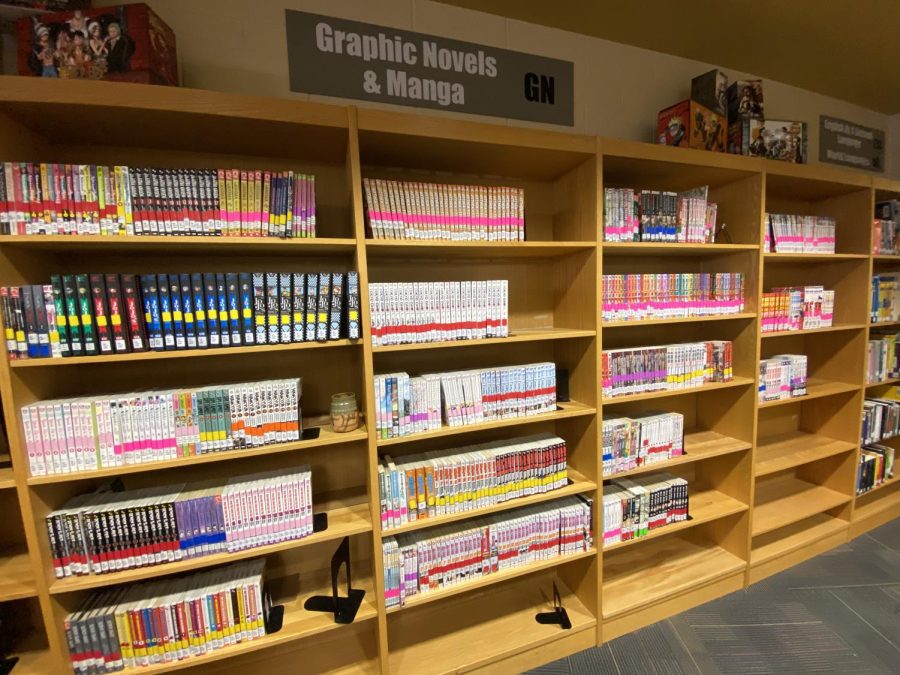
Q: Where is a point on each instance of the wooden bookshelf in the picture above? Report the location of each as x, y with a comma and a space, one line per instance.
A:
770, 484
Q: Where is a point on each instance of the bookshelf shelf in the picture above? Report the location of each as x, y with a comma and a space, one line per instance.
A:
698, 446
327, 436
180, 245
180, 354
787, 500
704, 506
814, 331
890, 380
16, 576
489, 579
564, 411
343, 521
578, 484
793, 448
469, 637
393, 248
886, 484
692, 319
777, 478
638, 577
639, 248
815, 389
516, 335
710, 386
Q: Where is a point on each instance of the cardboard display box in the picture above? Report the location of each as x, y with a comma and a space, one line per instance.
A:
691, 125
711, 90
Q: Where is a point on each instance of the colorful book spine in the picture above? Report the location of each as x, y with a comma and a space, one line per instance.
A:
635, 297
788, 233
635, 507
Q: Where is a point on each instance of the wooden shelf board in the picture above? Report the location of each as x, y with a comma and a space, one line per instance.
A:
490, 579
298, 624
872, 504
327, 436
786, 501
180, 244
389, 248
641, 248
34, 662
811, 257
578, 484
890, 380
798, 536
698, 445
519, 335
815, 389
703, 506
736, 381
565, 410
637, 577
883, 324
785, 451
690, 319
181, 354
16, 577
343, 520
813, 331
498, 626
885, 257
886, 484
7, 478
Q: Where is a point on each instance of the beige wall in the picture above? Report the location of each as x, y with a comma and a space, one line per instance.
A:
240, 46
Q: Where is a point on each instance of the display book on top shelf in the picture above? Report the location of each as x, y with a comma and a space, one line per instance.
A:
605, 593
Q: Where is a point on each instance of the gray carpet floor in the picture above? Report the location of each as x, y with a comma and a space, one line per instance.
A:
836, 613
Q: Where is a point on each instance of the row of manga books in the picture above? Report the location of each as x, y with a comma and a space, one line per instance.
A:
796, 308
421, 562
787, 233
73, 199
104, 531
633, 508
633, 442
443, 482
782, 376
882, 357
633, 297
876, 465
90, 314
107, 431
166, 621
652, 215
886, 228
637, 370
885, 299
880, 420
413, 210
409, 405
417, 312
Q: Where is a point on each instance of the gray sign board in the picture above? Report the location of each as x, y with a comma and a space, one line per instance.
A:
849, 144
350, 59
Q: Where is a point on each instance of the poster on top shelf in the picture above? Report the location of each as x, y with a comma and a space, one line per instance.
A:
367, 62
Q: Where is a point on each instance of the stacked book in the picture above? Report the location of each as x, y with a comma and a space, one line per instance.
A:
886, 230
163, 622
796, 308
409, 405
633, 442
103, 432
106, 531
881, 420
91, 314
876, 465
418, 312
73, 199
782, 376
882, 357
885, 300
799, 234
412, 210
633, 297
422, 562
652, 215
633, 508
638, 370
439, 483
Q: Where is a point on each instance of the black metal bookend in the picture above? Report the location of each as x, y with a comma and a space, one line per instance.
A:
273, 617
7, 664
320, 522
343, 608
558, 616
